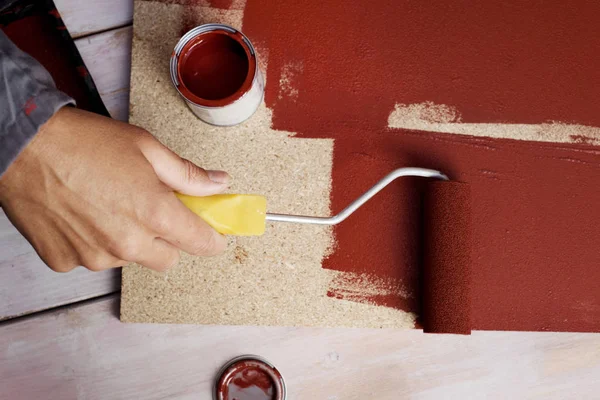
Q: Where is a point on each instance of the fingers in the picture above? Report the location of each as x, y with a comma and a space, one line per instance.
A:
159, 255
155, 254
174, 222
61, 258
188, 232
142, 247
180, 174
57, 253
64, 258
101, 261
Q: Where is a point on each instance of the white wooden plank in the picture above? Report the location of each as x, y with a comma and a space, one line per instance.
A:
108, 57
28, 285
84, 352
87, 17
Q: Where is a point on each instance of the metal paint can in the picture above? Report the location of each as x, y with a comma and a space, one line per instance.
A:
249, 377
214, 67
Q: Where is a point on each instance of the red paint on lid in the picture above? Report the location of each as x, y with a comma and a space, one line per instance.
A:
249, 378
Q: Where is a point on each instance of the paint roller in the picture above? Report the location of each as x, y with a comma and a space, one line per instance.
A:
445, 243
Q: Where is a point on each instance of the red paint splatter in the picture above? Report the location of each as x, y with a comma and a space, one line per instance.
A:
536, 227
29, 106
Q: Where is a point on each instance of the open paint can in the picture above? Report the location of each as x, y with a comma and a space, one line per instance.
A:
249, 378
215, 69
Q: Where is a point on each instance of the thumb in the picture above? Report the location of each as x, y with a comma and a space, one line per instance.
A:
180, 174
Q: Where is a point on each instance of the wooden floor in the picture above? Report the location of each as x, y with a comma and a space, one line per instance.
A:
77, 348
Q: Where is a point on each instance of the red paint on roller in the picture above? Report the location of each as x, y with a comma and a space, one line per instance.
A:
446, 259
536, 226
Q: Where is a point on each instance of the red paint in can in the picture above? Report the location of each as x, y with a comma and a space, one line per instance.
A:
214, 68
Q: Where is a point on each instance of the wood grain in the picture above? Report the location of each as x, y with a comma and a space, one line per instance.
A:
27, 284
108, 57
85, 352
88, 17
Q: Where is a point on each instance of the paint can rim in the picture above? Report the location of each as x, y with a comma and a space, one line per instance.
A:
273, 372
249, 82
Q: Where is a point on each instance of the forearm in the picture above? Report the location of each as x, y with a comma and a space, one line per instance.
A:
28, 98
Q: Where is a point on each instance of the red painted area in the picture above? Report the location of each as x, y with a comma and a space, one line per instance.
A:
29, 107
583, 139
536, 226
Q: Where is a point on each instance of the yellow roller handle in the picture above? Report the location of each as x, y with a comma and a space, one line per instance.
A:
230, 214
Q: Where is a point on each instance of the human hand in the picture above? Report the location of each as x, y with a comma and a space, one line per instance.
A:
96, 192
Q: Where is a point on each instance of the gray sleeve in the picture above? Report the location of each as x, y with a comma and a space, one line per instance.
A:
28, 98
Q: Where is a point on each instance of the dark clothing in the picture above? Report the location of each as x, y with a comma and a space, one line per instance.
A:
28, 98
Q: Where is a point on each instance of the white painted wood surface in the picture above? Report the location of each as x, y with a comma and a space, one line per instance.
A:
108, 57
84, 352
85, 17
26, 284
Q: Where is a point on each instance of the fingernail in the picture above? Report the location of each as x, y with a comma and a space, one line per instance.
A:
220, 177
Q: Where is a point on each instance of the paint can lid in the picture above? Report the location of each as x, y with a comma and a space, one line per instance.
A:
249, 377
